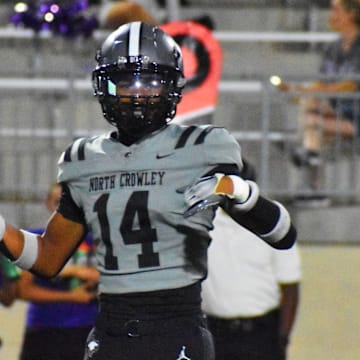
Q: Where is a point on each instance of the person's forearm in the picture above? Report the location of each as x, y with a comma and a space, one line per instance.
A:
43, 295
41, 254
69, 271
288, 308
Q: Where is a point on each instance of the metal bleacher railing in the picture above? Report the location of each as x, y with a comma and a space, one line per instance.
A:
40, 113
273, 141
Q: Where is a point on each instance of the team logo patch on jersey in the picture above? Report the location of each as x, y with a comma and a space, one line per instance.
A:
182, 355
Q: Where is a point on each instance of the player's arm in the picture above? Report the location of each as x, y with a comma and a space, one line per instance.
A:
268, 219
290, 296
46, 254
43, 254
242, 201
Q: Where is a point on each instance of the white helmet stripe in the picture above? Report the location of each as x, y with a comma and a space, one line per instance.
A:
134, 39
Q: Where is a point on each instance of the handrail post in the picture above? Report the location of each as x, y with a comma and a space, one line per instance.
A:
265, 141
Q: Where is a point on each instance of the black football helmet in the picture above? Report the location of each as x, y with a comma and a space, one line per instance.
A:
139, 79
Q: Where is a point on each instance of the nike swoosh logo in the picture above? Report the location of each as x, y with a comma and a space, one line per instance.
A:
159, 156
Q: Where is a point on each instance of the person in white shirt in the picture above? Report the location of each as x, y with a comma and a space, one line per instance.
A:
251, 294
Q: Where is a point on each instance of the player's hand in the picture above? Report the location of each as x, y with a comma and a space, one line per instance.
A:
82, 294
210, 191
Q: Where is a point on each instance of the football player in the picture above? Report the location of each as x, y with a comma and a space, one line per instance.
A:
148, 192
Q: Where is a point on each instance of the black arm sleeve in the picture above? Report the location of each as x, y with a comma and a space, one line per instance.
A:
261, 220
227, 169
247, 172
67, 207
263, 217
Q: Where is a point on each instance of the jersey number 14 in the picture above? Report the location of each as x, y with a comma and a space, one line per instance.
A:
144, 234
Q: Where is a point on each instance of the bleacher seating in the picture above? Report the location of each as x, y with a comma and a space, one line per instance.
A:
35, 124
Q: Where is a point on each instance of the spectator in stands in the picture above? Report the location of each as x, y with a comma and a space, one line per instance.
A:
116, 13
61, 311
251, 293
321, 120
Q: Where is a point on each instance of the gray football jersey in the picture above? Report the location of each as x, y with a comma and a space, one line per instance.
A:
133, 202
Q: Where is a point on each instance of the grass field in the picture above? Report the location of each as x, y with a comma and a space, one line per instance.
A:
328, 323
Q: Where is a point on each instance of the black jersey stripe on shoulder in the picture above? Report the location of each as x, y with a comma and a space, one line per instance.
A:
67, 154
81, 150
201, 138
185, 136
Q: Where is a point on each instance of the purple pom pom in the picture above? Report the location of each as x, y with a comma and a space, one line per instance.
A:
64, 17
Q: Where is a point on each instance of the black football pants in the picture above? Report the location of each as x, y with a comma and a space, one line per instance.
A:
247, 339
171, 339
